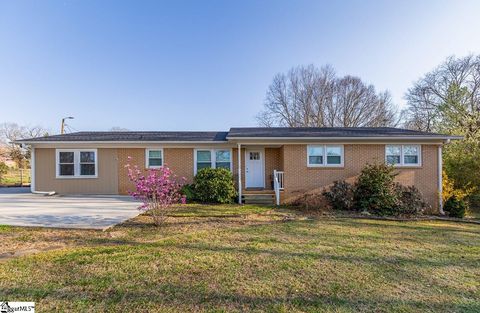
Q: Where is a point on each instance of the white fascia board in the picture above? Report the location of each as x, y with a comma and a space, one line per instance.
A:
129, 144
384, 138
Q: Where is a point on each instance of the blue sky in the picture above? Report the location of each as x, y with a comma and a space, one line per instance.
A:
206, 65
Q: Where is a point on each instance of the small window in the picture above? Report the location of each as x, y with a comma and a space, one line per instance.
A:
403, 155
411, 155
254, 155
66, 163
76, 163
222, 159
204, 159
315, 155
212, 158
393, 154
87, 163
154, 158
334, 155
325, 155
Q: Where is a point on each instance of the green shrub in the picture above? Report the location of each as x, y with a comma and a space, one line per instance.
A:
189, 192
3, 169
410, 200
340, 195
455, 207
375, 190
214, 186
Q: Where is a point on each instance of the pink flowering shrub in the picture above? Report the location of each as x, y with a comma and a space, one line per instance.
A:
158, 189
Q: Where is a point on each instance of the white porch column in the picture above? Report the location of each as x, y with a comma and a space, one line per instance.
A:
239, 157
32, 170
439, 186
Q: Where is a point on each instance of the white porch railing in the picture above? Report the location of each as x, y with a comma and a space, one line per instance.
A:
277, 184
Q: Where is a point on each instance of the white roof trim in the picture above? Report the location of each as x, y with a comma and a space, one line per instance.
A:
114, 142
351, 138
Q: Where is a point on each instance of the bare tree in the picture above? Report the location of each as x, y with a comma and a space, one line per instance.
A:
310, 97
428, 99
10, 132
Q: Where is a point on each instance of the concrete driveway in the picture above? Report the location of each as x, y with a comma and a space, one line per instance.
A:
18, 207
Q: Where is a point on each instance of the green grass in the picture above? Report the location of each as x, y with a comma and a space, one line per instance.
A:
201, 210
15, 178
5, 228
232, 258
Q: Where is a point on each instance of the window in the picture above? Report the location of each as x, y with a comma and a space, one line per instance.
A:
87, 163
315, 155
325, 155
204, 159
411, 155
393, 154
66, 163
254, 155
213, 158
403, 155
76, 163
154, 158
334, 155
222, 159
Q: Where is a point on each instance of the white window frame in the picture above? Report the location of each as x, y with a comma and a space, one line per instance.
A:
324, 157
147, 159
76, 163
402, 160
213, 161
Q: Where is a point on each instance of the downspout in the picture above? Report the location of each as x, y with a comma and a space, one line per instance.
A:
32, 170
239, 147
440, 178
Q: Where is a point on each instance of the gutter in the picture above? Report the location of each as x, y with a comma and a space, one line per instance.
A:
29, 142
351, 138
234, 139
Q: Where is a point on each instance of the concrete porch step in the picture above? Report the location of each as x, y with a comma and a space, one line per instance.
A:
257, 198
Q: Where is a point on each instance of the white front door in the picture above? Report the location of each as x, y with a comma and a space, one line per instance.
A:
254, 169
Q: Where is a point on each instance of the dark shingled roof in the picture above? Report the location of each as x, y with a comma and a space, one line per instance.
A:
238, 132
306, 132
134, 136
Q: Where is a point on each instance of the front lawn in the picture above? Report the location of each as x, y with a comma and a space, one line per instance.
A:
231, 258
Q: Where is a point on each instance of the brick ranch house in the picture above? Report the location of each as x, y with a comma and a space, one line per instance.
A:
280, 163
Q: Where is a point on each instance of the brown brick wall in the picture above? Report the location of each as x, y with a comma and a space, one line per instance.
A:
138, 159
299, 178
291, 158
273, 161
179, 160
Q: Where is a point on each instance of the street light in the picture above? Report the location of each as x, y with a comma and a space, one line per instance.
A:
62, 129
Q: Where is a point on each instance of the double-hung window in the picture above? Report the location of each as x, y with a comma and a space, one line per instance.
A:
403, 155
325, 155
87, 163
213, 158
76, 163
154, 158
66, 163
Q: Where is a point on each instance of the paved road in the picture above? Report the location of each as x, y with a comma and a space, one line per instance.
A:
18, 207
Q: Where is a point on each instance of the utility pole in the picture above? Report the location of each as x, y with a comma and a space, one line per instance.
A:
62, 129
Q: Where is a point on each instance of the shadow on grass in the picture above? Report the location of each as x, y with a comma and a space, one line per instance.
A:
195, 297
410, 225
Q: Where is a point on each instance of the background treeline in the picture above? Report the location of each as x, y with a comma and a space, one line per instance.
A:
445, 100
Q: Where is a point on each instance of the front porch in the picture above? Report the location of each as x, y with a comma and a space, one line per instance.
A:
259, 173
